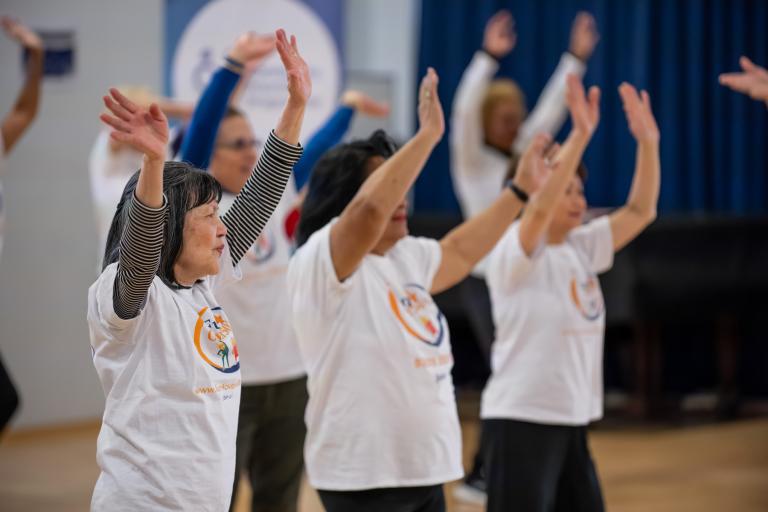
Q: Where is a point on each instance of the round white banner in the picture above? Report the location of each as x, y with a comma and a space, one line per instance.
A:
213, 30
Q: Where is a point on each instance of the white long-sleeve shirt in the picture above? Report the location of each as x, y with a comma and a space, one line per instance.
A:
478, 169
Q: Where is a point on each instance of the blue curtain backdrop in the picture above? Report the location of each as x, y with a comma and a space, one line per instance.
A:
714, 148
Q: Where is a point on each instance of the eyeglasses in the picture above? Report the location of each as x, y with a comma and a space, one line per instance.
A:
240, 144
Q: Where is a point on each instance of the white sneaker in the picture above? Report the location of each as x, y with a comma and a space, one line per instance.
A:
465, 492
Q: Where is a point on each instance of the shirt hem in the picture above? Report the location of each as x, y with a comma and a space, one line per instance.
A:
384, 484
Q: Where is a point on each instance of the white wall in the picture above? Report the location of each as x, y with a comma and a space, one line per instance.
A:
49, 257
381, 36
50, 244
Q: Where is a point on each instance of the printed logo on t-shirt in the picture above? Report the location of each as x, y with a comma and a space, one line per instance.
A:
587, 297
214, 340
418, 314
264, 248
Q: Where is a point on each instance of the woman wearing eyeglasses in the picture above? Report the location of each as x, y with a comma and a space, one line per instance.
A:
271, 422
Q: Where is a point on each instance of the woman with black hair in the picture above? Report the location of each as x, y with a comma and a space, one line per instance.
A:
383, 432
162, 346
547, 383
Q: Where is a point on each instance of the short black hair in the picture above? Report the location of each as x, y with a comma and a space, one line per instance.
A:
514, 162
185, 187
336, 178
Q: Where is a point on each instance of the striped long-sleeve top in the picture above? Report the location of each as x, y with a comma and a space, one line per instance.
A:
142, 241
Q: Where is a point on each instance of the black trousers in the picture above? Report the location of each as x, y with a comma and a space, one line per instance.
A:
533, 467
9, 398
476, 300
395, 499
270, 444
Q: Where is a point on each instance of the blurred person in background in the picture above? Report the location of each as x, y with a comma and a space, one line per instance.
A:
489, 125
14, 124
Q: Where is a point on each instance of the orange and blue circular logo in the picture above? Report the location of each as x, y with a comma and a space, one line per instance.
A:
587, 297
214, 340
418, 314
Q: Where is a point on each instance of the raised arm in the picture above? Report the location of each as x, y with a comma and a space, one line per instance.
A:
334, 130
27, 102
550, 112
467, 138
363, 221
472, 240
753, 80
249, 50
585, 114
640, 209
146, 131
260, 195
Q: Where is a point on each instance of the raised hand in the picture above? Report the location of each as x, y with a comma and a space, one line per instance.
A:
584, 109
535, 165
297, 71
144, 129
753, 81
500, 37
364, 104
584, 36
431, 118
251, 49
637, 108
21, 34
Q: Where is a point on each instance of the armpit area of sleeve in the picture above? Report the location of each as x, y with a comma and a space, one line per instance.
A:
101, 307
508, 261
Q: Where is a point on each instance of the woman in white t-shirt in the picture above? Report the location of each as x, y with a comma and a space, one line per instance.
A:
162, 345
546, 385
382, 428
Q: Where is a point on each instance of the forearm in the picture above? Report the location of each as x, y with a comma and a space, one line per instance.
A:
29, 99
474, 238
324, 139
467, 136
27, 102
550, 111
201, 134
644, 193
567, 161
140, 249
260, 195
176, 109
385, 189
149, 188
289, 126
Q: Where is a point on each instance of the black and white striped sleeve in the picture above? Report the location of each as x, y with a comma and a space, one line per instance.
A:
139, 259
259, 197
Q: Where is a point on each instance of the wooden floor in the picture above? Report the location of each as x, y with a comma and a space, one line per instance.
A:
720, 467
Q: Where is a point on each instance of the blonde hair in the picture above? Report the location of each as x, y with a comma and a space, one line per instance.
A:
499, 91
139, 94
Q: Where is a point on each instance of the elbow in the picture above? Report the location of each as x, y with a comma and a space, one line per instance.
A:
368, 213
646, 215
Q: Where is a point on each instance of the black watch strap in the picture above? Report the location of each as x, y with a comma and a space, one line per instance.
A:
520, 193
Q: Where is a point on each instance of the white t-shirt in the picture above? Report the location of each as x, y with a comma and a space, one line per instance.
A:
547, 360
382, 410
172, 383
258, 305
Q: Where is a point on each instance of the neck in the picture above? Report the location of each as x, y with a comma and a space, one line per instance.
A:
556, 234
383, 247
183, 276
